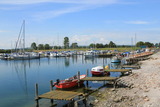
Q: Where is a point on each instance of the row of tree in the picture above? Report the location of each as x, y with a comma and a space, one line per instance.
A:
144, 44
66, 45
73, 45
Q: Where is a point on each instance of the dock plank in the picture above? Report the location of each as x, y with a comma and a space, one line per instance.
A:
99, 79
60, 95
131, 66
118, 70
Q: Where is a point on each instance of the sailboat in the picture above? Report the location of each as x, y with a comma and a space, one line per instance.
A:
20, 53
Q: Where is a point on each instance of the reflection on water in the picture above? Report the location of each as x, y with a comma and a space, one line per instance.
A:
18, 78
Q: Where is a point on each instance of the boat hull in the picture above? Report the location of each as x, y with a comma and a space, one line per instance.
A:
69, 83
97, 73
116, 61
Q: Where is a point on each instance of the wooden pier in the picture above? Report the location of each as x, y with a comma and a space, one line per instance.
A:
106, 55
131, 66
71, 95
57, 95
99, 79
123, 71
60, 95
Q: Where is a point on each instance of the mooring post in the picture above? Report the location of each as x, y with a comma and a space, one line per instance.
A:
78, 76
87, 76
51, 89
36, 94
51, 85
115, 84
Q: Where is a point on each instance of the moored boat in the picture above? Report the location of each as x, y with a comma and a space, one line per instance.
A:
115, 60
99, 70
69, 82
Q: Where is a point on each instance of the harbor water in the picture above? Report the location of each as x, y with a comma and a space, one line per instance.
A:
18, 77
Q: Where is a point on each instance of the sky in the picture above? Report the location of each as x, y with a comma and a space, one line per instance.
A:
83, 21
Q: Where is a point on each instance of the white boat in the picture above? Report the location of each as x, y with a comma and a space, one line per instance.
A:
90, 54
99, 70
20, 53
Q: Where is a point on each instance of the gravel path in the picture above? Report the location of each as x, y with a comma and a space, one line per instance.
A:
145, 90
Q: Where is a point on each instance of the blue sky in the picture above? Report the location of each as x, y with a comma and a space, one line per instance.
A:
83, 21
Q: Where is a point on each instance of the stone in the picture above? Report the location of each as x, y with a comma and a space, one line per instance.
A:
96, 101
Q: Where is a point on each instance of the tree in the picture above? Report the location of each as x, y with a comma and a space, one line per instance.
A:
92, 45
148, 44
106, 45
34, 46
99, 45
66, 42
140, 43
40, 46
111, 44
46, 46
74, 45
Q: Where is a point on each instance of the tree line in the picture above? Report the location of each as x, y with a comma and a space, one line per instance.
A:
111, 44
66, 45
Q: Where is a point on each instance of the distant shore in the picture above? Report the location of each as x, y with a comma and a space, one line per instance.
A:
144, 91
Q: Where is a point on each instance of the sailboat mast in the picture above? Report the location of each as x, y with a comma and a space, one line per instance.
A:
23, 35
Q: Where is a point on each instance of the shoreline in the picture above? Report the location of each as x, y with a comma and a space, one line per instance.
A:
144, 91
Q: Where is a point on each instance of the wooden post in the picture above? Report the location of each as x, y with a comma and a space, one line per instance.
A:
78, 76
87, 73
37, 98
51, 89
87, 76
51, 85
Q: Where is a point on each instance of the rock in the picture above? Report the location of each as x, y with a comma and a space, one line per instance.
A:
146, 99
117, 99
99, 94
113, 89
96, 101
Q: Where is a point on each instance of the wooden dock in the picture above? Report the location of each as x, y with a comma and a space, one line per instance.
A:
123, 71
70, 95
60, 95
99, 79
131, 66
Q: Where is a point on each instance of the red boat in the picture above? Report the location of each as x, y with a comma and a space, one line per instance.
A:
99, 70
69, 82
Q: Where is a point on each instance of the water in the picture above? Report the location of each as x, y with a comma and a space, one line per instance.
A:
18, 78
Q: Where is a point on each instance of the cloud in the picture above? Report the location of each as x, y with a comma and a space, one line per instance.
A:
79, 6
88, 39
56, 13
74, 6
19, 2
138, 22
3, 31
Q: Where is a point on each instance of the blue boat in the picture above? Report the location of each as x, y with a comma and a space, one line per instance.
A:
115, 60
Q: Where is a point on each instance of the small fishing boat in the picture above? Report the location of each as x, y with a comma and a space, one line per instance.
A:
115, 60
99, 70
69, 82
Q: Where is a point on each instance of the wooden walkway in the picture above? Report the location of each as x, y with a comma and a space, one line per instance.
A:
60, 95
99, 79
131, 66
123, 71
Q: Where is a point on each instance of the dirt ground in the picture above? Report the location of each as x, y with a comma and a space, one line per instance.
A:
139, 89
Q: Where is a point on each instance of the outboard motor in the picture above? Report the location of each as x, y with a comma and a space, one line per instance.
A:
57, 81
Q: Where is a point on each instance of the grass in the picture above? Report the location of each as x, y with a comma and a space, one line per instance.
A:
121, 49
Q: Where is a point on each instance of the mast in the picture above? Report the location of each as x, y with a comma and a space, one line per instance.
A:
23, 35
20, 43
